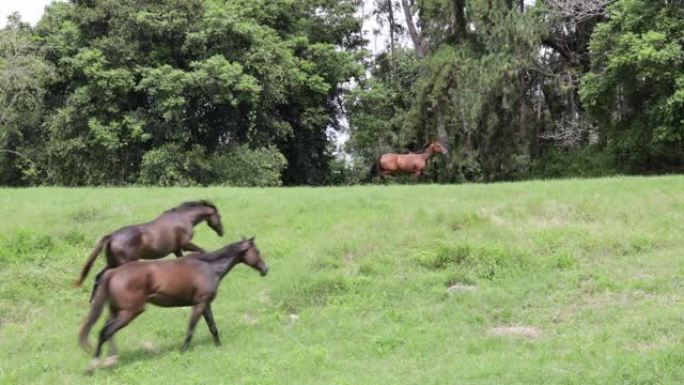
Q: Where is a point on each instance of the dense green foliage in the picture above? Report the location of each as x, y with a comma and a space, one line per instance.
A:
24, 74
109, 92
358, 287
143, 82
636, 86
500, 83
241, 166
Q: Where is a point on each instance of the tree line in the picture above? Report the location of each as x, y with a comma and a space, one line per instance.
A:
252, 92
560, 88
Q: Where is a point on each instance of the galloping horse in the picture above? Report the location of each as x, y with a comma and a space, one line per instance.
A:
413, 163
170, 232
188, 281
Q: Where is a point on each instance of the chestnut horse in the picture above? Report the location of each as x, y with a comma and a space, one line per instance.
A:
413, 163
191, 280
170, 232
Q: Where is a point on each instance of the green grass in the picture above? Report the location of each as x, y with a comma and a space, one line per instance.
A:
595, 265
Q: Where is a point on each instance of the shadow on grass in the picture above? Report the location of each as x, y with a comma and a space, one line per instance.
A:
130, 356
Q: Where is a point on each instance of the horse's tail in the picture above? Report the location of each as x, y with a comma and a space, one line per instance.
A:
89, 263
373, 170
101, 296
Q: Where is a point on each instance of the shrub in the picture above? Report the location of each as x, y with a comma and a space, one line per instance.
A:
242, 166
170, 165
588, 162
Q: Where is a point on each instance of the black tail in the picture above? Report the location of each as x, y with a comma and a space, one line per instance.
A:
373, 170
89, 263
101, 297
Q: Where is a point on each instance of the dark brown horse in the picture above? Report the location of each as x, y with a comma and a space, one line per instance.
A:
188, 281
171, 232
413, 163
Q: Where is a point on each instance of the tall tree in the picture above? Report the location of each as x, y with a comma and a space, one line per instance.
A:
418, 43
201, 77
635, 89
473, 89
24, 75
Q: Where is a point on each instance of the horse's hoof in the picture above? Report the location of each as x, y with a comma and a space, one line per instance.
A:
94, 364
110, 361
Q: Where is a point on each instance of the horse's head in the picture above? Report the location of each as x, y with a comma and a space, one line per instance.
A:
214, 219
438, 147
200, 211
250, 256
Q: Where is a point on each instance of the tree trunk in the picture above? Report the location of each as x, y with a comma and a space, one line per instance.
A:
390, 16
417, 41
460, 28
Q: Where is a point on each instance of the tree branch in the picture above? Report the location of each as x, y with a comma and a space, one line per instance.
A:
557, 47
417, 41
19, 154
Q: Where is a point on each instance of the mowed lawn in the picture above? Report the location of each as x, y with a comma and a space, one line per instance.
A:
358, 287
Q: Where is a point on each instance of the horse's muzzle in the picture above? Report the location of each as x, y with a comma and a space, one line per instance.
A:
264, 271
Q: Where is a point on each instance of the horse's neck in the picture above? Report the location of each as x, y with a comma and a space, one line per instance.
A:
197, 216
223, 265
427, 153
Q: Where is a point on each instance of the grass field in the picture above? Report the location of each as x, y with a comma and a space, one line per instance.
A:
358, 287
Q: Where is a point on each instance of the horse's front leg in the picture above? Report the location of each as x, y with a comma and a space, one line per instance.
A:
209, 318
192, 247
197, 311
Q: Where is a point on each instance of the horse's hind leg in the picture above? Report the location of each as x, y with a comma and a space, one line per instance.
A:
197, 311
209, 318
383, 176
113, 324
111, 360
95, 363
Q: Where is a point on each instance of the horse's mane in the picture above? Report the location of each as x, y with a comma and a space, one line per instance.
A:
218, 254
428, 145
193, 204
423, 149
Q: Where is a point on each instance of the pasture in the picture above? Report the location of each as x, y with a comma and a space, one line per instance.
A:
358, 291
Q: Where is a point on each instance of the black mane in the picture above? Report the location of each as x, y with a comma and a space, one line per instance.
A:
428, 145
422, 151
224, 252
194, 204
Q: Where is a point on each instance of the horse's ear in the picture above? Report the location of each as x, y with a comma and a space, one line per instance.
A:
244, 245
251, 240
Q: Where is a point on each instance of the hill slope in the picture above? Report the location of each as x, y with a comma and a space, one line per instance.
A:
358, 289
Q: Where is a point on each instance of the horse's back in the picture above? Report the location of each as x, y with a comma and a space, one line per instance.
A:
401, 162
125, 244
168, 283
151, 240
388, 162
